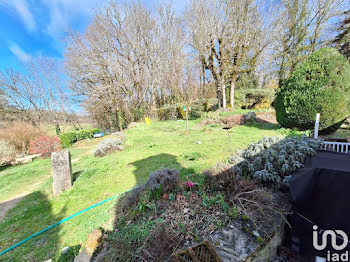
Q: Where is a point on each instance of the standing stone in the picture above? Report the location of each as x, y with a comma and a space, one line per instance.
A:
61, 171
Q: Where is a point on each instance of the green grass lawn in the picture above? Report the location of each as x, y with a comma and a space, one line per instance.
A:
147, 148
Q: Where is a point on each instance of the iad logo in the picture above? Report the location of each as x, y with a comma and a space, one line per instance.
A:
334, 234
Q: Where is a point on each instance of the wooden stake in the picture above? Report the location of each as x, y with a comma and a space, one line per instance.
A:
186, 121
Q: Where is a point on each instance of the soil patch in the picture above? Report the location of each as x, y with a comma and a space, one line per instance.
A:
234, 120
6, 206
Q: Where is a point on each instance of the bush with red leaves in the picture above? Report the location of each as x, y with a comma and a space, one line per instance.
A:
44, 145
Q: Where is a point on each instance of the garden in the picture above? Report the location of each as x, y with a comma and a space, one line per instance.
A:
195, 171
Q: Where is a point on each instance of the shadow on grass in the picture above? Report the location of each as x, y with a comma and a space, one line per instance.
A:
3, 168
76, 175
264, 125
31, 215
153, 163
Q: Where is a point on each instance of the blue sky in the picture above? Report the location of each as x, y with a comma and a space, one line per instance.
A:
33, 27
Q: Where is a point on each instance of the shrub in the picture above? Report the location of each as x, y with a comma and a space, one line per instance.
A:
319, 85
211, 104
265, 103
176, 111
7, 152
83, 134
18, 135
252, 98
167, 112
44, 145
108, 146
273, 159
166, 179
250, 117
94, 131
68, 139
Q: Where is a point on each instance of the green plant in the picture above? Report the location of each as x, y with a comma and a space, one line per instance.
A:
135, 232
321, 84
171, 197
167, 112
68, 139
259, 98
187, 194
213, 200
260, 240
273, 159
233, 212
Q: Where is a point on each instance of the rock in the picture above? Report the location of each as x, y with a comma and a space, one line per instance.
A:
61, 171
233, 244
94, 239
65, 250
83, 257
132, 125
25, 160
269, 250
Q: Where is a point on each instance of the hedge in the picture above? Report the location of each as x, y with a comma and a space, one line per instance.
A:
321, 84
69, 138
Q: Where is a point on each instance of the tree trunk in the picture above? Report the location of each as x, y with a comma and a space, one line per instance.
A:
232, 91
223, 91
119, 123
219, 96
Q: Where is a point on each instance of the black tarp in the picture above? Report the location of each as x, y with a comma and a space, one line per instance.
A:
320, 195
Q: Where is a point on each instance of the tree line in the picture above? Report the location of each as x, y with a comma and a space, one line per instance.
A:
133, 59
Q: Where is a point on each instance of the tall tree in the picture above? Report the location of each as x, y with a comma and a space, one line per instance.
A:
342, 40
229, 37
304, 27
128, 60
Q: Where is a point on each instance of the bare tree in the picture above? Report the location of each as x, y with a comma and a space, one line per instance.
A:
127, 61
229, 37
35, 91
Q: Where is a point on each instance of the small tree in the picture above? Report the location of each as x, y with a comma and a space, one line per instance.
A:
319, 85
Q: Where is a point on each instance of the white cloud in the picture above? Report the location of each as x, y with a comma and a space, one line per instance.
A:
19, 52
62, 12
22, 9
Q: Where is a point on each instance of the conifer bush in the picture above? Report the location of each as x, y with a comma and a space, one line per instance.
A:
321, 84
